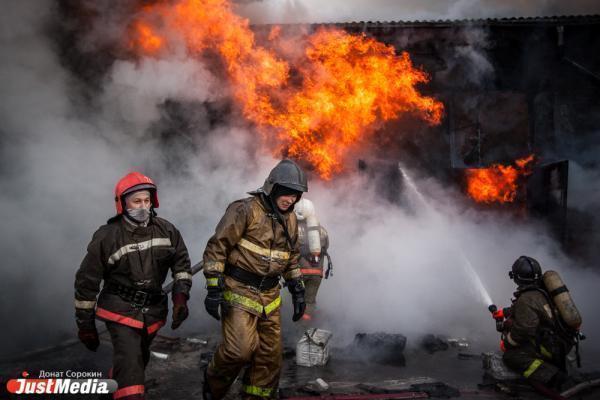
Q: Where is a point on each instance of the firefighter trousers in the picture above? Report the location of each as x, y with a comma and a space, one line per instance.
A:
131, 353
311, 284
525, 360
248, 341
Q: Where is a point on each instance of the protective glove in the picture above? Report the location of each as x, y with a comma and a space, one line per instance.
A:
180, 309
89, 337
86, 323
296, 288
214, 298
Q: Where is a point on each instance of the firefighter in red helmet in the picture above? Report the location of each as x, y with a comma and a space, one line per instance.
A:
132, 254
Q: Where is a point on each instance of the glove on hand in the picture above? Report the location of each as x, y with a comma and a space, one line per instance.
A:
214, 299
180, 309
89, 337
296, 288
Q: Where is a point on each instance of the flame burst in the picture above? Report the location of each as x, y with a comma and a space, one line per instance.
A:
348, 83
498, 183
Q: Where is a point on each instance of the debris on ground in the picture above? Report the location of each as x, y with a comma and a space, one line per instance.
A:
432, 343
379, 347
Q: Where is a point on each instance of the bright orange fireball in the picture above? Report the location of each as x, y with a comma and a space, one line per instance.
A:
347, 85
498, 183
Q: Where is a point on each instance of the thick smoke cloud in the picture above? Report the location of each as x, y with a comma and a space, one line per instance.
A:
313, 11
397, 269
61, 159
404, 270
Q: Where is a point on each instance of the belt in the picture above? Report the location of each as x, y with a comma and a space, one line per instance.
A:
259, 282
137, 298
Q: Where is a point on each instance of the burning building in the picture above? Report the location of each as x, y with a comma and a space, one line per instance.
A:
445, 97
520, 99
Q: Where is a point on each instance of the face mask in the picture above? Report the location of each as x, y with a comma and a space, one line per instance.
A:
140, 215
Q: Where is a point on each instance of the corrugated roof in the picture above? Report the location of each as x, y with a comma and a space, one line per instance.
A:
516, 21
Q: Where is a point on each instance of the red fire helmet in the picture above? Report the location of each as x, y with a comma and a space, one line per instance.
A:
132, 182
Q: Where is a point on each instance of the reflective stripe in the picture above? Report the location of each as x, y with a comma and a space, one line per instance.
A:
257, 391
545, 352
138, 247
253, 305
155, 327
311, 271
86, 305
128, 391
212, 282
511, 340
214, 267
274, 254
533, 367
182, 275
121, 319
273, 306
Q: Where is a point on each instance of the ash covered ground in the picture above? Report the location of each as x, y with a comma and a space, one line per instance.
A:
176, 369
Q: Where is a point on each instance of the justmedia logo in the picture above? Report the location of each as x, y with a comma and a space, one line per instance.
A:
61, 383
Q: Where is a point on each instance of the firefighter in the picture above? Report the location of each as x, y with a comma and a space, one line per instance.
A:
132, 254
535, 339
314, 242
255, 243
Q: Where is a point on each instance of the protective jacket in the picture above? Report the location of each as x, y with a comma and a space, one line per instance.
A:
133, 261
534, 343
250, 237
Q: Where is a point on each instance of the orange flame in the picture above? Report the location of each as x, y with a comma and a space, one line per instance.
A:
348, 83
498, 183
145, 39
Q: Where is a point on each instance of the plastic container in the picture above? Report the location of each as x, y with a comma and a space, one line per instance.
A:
312, 349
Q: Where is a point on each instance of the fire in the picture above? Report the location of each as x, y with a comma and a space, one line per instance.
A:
348, 84
145, 39
498, 183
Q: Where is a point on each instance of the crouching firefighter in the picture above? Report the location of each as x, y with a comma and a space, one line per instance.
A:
132, 254
255, 243
314, 243
541, 328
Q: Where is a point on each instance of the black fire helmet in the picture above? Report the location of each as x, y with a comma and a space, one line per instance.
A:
526, 270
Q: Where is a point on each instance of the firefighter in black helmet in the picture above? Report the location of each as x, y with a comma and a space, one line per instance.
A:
255, 243
535, 344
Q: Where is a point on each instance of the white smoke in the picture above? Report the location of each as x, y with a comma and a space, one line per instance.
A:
60, 156
405, 272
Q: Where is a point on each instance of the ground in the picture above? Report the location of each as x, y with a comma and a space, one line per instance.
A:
180, 375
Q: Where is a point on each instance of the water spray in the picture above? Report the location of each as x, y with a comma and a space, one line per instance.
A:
467, 266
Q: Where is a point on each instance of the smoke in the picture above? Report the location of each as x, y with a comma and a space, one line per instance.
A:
403, 271
64, 145
313, 11
62, 154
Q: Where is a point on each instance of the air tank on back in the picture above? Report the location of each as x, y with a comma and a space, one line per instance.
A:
562, 299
